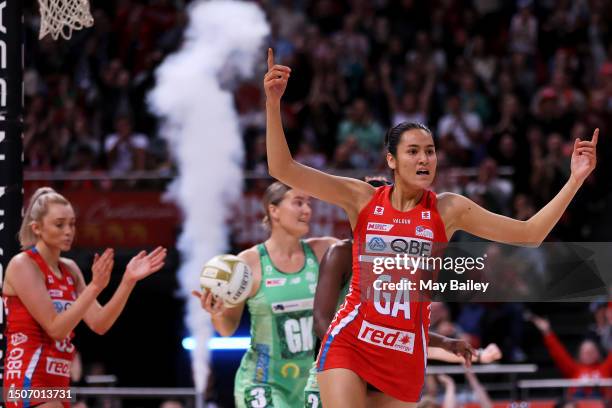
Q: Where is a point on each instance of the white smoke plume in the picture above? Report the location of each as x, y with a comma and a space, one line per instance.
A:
200, 125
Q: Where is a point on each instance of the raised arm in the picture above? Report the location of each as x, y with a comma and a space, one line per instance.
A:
334, 270
566, 364
350, 194
488, 355
450, 395
29, 285
385, 79
461, 213
481, 394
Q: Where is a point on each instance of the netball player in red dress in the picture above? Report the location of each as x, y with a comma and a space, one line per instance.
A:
384, 343
46, 297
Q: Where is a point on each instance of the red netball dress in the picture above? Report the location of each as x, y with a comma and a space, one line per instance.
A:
382, 335
34, 361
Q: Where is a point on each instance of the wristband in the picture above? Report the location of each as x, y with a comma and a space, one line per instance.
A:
479, 355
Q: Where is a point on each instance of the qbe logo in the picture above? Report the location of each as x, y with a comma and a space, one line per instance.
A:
58, 366
386, 337
392, 244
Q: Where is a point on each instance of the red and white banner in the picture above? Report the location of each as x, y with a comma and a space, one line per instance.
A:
136, 219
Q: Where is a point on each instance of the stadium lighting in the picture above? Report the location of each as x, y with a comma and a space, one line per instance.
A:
220, 343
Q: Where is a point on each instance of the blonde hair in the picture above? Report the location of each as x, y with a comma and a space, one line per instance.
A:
274, 195
37, 209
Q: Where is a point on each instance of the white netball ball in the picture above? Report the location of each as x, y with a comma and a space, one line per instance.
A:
228, 277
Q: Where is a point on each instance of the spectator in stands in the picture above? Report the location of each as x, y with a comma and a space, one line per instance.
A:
324, 104
126, 151
353, 48
589, 363
432, 398
442, 324
361, 135
548, 112
494, 191
601, 330
483, 62
308, 156
480, 394
359, 125
473, 99
413, 106
551, 173
524, 29
459, 131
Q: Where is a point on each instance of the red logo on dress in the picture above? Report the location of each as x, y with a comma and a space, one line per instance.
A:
58, 366
386, 337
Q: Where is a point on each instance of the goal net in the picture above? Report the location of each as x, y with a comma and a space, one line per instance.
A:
62, 17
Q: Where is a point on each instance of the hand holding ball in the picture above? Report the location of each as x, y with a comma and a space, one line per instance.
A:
227, 277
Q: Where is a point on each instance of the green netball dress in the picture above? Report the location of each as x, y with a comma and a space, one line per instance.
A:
312, 398
274, 370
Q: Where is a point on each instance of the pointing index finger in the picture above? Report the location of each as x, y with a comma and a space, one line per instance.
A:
595, 137
270, 58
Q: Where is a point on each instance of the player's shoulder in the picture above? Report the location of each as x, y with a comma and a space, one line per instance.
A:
321, 244
68, 262
342, 245
322, 241
71, 265
21, 261
447, 196
21, 268
250, 256
451, 202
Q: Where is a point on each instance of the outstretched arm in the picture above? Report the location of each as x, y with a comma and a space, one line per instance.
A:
460, 348
350, 194
487, 355
101, 318
461, 213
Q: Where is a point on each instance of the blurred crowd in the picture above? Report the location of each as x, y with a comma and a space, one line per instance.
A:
505, 86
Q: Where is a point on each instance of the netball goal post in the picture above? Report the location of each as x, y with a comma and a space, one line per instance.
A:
58, 18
